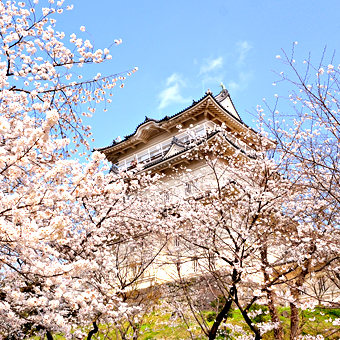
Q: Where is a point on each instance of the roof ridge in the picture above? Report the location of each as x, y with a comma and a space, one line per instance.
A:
147, 119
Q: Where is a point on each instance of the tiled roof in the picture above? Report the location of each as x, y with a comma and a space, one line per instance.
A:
218, 99
166, 118
149, 165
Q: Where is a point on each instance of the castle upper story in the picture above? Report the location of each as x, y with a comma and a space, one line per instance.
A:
157, 144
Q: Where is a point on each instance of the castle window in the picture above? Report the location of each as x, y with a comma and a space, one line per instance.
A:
144, 157
166, 197
188, 188
195, 264
155, 152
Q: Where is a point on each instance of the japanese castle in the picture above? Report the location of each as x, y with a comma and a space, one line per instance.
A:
157, 145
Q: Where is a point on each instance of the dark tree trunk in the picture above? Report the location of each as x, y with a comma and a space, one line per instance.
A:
221, 315
226, 308
251, 325
49, 335
93, 331
247, 319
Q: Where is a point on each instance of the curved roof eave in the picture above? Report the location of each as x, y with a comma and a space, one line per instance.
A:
182, 152
159, 123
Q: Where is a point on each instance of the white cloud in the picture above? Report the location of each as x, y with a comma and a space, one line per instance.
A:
175, 78
233, 86
243, 77
211, 64
243, 48
172, 93
242, 83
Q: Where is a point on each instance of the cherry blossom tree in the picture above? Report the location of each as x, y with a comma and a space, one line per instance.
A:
226, 232
63, 224
253, 237
78, 241
37, 67
307, 138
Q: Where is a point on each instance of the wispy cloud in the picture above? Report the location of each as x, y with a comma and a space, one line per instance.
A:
244, 78
172, 93
211, 65
216, 79
243, 48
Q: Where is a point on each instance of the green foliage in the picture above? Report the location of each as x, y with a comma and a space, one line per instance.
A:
331, 312
224, 334
211, 316
313, 322
220, 302
159, 325
261, 317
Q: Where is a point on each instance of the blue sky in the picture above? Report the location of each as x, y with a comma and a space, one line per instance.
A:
184, 47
